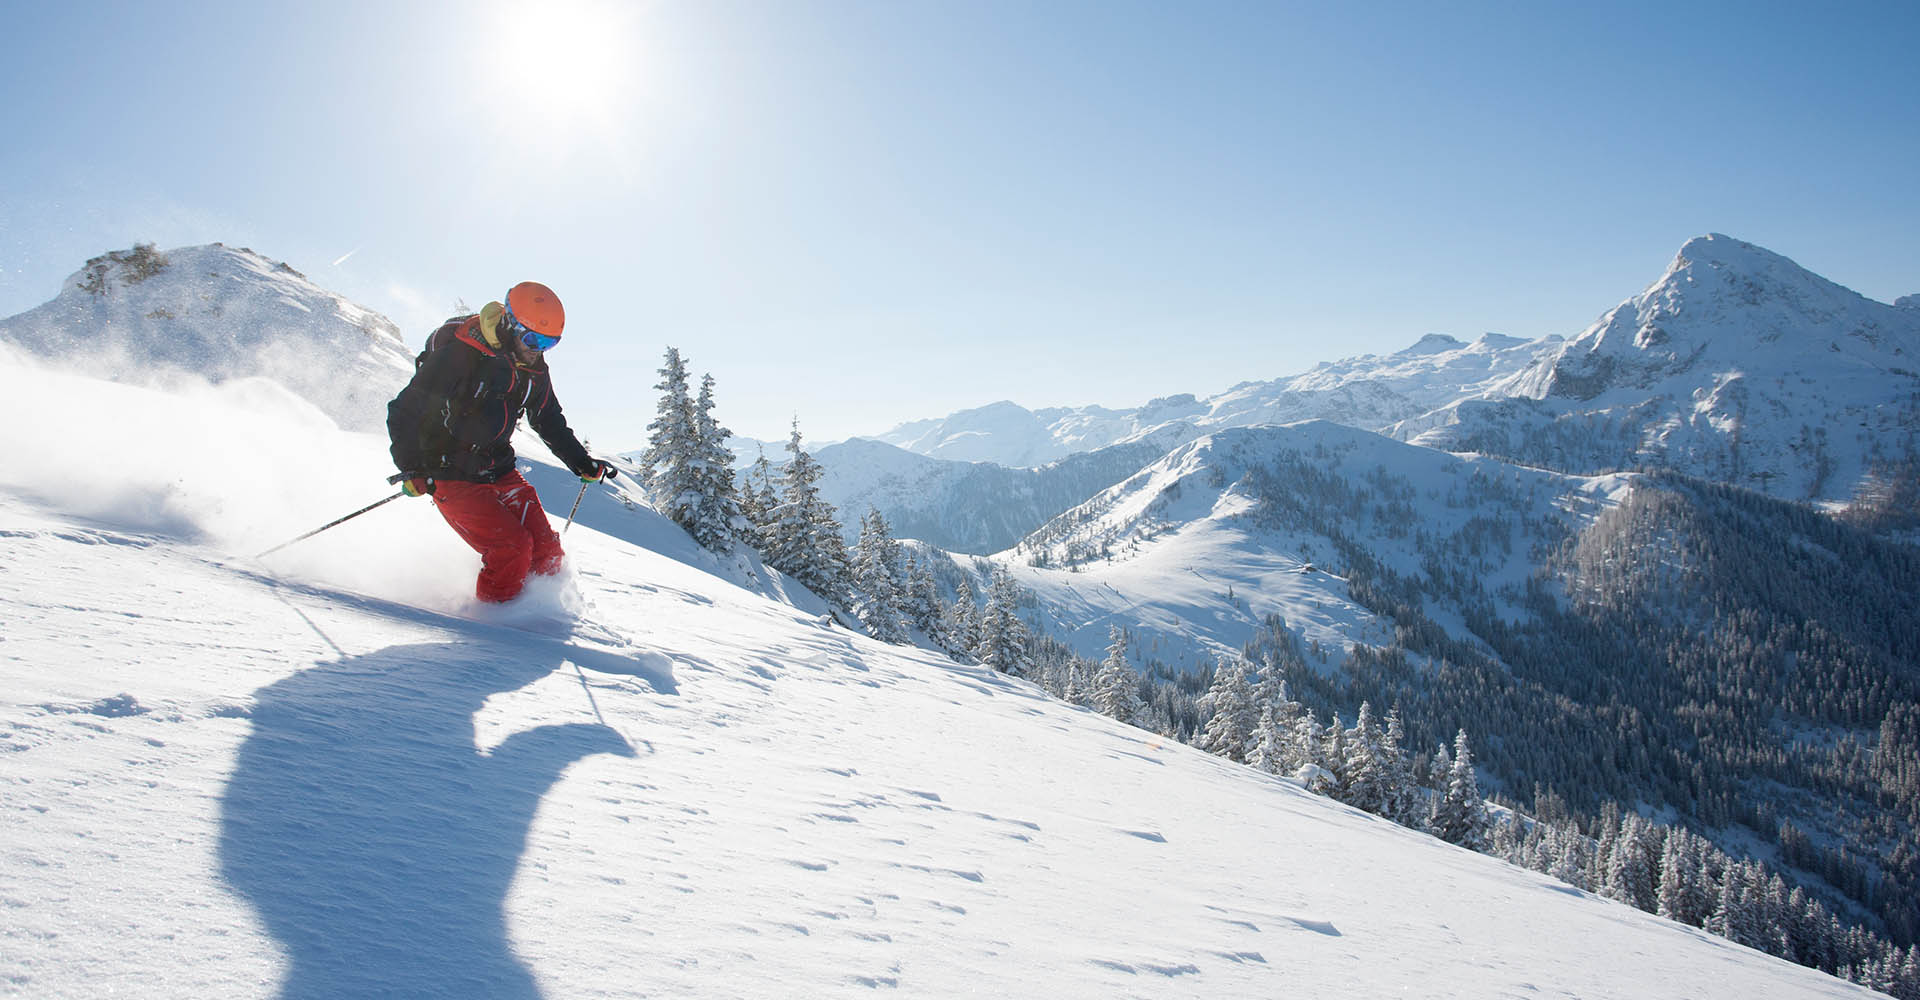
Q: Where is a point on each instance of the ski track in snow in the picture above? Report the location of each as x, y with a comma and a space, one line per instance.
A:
219, 783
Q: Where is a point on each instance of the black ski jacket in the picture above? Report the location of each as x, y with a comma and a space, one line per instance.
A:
455, 419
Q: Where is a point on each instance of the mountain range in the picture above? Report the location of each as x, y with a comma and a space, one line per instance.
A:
1596, 551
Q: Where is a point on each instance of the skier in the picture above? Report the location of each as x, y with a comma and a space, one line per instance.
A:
452, 431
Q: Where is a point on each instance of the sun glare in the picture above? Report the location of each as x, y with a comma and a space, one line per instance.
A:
573, 63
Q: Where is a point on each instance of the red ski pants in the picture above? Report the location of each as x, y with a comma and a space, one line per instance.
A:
504, 522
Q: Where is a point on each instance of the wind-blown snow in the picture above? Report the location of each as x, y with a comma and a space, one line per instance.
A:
226, 778
218, 313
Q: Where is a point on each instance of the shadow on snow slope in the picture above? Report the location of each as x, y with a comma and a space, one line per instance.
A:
374, 838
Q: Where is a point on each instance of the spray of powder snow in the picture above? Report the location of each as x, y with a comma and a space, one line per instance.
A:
240, 467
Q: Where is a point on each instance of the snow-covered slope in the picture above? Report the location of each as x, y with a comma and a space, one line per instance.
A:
1736, 365
1194, 552
219, 313
232, 780
1370, 391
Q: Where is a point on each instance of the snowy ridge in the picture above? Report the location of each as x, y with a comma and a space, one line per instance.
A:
219, 313
1370, 391
223, 783
975, 507
1195, 551
1736, 365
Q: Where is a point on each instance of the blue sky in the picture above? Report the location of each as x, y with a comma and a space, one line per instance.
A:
865, 213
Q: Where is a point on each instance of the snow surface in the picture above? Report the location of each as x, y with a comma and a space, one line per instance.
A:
318, 776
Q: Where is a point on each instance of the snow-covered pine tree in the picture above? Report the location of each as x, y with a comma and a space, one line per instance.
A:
877, 581
1570, 866
1460, 814
717, 521
1078, 686
805, 530
1365, 775
1630, 869
1002, 642
1269, 751
1440, 771
1303, 748
1400, 802
922, 601
1116, 689
1733, 915
1310, 748
673, 446
960, 621
1333, 757
757, 501
1682, 895
1230, 729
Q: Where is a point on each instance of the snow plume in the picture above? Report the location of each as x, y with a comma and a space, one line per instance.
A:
240, 467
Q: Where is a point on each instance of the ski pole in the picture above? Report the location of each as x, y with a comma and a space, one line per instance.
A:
576, 507
331, 524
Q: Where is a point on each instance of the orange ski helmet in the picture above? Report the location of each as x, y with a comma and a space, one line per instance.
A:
534, 314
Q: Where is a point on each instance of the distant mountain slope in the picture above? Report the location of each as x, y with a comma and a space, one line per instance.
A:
974, 507
1737, 365
1370, 391
1195, 551
219, 313
1726, 655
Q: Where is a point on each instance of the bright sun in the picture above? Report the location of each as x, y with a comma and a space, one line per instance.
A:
573, 63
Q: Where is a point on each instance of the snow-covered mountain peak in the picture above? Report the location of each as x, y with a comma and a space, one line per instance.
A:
1718, 250
1432, 343
218, 313
1723, 305
1907, 302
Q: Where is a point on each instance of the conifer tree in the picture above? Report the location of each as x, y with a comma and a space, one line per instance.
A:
1682, 894
1399, 799
805, 530
877, 589
1116, 691
1630, 868
1002, 642
753, 506
688, 469
718, 520
960, 621
1333, 757
1366, 779
1229, 731
1304, 747
1460, 814
922, 601
1269, 752
1440, 771
673, 445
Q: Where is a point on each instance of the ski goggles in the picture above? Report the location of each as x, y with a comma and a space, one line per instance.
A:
527, 335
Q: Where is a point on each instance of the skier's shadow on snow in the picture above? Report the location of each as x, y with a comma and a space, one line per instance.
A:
373, 838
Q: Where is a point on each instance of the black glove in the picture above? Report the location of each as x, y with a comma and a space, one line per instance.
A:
413, 484
600, 469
